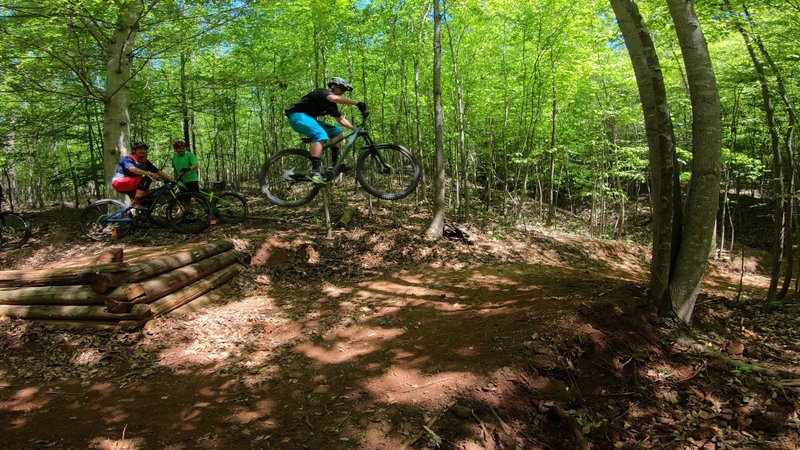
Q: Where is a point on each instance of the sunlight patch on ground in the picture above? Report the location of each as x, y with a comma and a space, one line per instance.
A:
357, 341
23, 401
334, 291
123, 443
87, 357
490, 282
394, 288
399, 385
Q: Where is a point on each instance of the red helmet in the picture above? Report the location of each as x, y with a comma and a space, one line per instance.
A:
179, 144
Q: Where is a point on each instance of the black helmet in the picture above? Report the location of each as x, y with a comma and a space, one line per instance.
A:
341, 82
140, 145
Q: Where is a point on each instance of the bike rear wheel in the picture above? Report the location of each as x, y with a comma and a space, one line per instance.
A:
189, 213
95, 223
14, 230
230, 207
388, 171
284, 179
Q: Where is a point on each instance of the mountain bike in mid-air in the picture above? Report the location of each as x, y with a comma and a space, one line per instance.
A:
14, 229
109, 219
387, 171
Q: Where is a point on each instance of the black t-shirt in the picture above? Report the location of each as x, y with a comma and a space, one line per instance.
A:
315, 104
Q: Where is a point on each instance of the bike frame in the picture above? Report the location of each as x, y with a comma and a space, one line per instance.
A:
350, 140
118, 217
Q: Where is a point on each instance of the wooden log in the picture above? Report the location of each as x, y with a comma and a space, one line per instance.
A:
200, 303
187, 294
50, 295
112, 255
94, 324
148, 269
143, 269
58, 276
150, 290
50, 312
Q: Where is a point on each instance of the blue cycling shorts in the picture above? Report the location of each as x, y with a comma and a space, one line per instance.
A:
312, 128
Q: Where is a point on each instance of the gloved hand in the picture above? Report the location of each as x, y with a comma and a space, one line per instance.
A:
184, 170
362, 107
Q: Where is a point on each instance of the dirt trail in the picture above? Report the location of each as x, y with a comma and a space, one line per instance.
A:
542, 341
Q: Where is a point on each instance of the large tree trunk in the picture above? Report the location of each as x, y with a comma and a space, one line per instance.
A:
702, 201
119, 70
665, 189
436, 226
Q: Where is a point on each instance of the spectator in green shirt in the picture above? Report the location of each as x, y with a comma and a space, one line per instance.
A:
184, 163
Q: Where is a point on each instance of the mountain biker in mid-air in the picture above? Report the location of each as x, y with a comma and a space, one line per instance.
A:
321, 102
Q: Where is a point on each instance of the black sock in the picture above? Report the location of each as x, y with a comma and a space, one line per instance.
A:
316, 163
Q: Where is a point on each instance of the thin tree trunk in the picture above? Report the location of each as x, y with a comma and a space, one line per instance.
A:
436, 227
778, 188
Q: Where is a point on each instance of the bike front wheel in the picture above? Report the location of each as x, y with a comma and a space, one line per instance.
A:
189, 213
14, 230
230, 207
388, 171
284, 178
106, 220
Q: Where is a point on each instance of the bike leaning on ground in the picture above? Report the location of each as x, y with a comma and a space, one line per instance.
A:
387, 171
14, 229
109, 219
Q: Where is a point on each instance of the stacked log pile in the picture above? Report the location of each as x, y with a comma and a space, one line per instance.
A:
105, 292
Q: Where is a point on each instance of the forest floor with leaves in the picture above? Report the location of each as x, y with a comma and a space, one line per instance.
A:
379, 338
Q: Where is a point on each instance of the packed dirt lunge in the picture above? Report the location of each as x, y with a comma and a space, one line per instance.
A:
379, 338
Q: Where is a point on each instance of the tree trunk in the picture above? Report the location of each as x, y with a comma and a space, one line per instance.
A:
185, 104
119, 59
703, 198
436, 226
778, 188
665, 189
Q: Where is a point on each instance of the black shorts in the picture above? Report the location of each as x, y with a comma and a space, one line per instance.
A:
191, 186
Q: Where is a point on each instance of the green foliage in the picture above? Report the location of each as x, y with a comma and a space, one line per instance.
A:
542, 82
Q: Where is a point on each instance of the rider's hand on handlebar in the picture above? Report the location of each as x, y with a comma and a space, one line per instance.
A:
363, 108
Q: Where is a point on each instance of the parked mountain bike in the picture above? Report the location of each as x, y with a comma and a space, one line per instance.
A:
387, 171
227, 206
14, 229
109, 219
